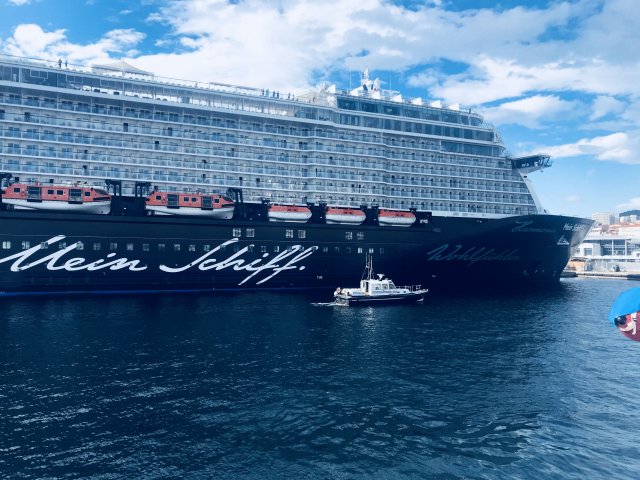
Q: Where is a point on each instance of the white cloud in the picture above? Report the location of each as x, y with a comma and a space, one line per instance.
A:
632, 204
573, 198
287, 43
29, 40
19, 2
531, 111
619, 147
604, 105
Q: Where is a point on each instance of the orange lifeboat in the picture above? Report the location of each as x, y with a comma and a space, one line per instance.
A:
289, 213
58, 198
348, 216
190, 204
396, 218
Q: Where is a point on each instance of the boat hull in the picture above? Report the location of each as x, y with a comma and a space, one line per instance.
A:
224, 213
364, 300
54, 252
95, 208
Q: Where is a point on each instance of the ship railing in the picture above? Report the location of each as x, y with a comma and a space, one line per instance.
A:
314, 97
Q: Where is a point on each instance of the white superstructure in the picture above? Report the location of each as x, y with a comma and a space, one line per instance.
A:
345, 148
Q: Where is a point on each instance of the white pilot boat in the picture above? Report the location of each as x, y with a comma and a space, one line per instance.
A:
375, 289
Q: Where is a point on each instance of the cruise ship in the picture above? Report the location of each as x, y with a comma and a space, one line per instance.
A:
117, 180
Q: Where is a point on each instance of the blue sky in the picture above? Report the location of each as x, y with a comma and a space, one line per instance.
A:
555, 77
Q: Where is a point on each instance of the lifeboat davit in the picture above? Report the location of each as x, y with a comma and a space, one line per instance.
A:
58, 198
348, 216
289, 213
190, 204
396, 218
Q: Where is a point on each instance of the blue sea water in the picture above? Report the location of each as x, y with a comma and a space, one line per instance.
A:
270, 386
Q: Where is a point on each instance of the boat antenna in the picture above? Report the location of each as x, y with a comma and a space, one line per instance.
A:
368, 269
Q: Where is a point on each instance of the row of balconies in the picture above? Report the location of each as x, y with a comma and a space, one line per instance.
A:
334, 198
233, 138
305, 184
260, 125
437, 178
220, 151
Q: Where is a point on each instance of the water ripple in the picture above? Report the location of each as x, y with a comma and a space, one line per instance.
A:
267, 386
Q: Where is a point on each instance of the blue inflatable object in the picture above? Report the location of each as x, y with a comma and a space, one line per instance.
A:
626, 303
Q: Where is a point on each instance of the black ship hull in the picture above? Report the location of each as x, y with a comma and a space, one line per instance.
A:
44, 253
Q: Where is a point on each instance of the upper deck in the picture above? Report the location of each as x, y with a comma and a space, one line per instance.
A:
375, 109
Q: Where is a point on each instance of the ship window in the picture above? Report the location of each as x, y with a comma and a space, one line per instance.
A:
192, 248
145, 247
236, 248
79, 246
161, 247
325, 249
276, 248
206, 248
49, 192
6, 245
371, 250
288, 233
113, 246
381, 251
237, 232
360, 235
186, 199
129, 247
16, 189
26, 244
44, 246
251, 232
348, 235
97, 247
336, 249
359, 249
59, 192
302, 234
348, 249
263, 248
176, 247
87, 194
62, 246
158, 197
